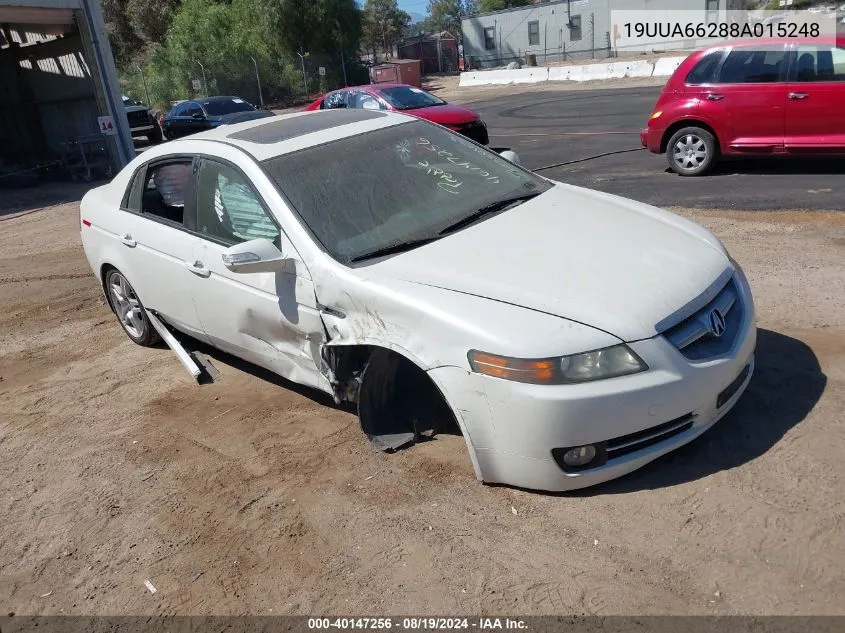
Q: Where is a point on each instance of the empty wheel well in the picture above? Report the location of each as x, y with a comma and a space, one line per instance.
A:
104, 271
393, 394
682, 124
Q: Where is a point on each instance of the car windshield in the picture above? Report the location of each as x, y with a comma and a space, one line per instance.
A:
221, 107
395, 185
408, 98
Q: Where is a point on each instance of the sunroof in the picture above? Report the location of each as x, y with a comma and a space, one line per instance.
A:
288, 128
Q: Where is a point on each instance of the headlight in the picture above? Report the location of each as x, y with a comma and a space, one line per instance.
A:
610, 362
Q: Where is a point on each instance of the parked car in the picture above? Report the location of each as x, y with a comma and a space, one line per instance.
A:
142, 120
750, 98
190, 117
572, 336
409, 100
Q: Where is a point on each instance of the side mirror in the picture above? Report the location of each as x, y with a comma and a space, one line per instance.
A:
198, 115
510, 155
255, 256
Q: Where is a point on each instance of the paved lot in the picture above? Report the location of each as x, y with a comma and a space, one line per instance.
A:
554, 126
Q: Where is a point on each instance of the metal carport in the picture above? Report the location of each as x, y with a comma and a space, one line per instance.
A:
57, 77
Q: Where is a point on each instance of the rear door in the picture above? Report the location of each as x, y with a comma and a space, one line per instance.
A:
815, 107
747, 102
156, 242
270, 319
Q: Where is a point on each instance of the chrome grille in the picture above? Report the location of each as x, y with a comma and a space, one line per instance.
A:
695, 337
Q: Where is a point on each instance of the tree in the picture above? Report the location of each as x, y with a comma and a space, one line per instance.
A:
445, 15
134, 25
383, 24
485, 6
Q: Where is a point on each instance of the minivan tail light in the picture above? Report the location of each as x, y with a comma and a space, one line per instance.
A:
86, 223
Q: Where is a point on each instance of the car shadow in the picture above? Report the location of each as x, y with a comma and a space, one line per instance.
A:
214, 354
787, 384
778, 166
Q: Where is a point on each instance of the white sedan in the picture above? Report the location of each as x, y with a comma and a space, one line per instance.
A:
571, 336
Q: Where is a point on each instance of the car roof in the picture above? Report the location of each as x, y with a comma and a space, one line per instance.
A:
274, 136
379, 86
774, 41
218, 98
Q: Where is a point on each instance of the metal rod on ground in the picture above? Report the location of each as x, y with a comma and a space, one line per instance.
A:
258, 79
144, 79
173, 344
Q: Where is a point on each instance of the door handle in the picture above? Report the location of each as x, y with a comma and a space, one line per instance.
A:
798, 95
128, 241
715, 97
198, 269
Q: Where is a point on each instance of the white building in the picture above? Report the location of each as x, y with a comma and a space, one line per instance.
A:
572, 29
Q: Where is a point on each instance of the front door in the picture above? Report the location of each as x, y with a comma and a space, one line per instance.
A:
153, 235
815, 105
746, 103
270, 319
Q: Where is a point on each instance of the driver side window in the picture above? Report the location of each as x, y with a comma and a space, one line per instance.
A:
228, 209
193, 109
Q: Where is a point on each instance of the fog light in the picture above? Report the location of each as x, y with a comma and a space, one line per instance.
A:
580, 456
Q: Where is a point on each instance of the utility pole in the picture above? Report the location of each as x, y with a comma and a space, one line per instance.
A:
204, 84
342, 58
144, 79
304, 76
258, 79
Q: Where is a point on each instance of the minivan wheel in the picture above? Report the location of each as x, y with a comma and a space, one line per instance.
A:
691, 151
129, 310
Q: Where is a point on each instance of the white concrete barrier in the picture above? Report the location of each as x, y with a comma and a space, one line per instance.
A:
532, 75
662, 67
665, 66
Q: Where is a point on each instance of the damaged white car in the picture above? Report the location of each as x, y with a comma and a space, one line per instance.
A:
571, 336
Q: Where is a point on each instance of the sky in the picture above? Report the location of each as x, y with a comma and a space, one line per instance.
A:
414, 6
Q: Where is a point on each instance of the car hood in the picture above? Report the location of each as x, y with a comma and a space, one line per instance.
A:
449, 114
136, 108
598, 259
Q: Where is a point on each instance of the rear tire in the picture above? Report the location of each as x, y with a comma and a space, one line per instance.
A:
129, 310
691, 151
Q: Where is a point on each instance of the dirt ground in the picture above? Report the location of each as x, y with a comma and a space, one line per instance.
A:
251, 496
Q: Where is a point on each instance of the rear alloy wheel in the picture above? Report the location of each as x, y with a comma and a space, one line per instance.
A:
691, 151
129, 310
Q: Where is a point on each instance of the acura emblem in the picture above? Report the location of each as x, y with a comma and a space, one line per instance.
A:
717, 322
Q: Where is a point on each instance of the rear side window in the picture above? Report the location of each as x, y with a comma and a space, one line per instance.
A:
820, 63
334, 100
753, 66
704, 72
165, 190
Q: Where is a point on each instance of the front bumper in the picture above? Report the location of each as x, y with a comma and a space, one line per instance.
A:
513, 440
477, 131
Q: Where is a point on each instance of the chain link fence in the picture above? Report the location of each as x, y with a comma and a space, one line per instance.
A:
266, 83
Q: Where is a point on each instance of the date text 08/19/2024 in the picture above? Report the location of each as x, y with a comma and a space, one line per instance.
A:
417, 624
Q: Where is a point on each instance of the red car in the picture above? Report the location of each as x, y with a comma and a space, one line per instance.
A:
409, 100
751, 98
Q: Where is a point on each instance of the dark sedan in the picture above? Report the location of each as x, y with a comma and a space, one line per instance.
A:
190, 117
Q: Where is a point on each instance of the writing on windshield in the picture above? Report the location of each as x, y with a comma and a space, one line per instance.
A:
446, 180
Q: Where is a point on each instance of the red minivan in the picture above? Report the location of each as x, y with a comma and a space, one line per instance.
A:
751, 98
